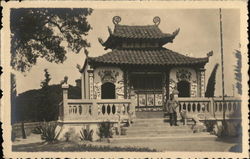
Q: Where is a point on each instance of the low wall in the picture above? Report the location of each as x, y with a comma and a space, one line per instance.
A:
28, 127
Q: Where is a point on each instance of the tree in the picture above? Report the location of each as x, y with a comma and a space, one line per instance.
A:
13, 97
211, 82
238, 75
43, 33
45, 101
45, 83
28, 103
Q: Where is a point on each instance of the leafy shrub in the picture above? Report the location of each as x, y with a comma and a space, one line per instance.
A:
48, 132
37, 130
86, 134
105, 130
209, 125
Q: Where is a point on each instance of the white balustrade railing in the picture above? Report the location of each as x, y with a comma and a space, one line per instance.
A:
194, 105
112, 109
231, 107
214, 107
92, 109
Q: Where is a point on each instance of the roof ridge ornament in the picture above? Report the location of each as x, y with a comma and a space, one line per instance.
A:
117, 20
157, 20
210, 53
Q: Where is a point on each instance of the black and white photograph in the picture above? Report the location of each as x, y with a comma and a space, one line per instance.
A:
134, 77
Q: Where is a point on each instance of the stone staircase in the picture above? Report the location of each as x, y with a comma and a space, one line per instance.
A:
153, 125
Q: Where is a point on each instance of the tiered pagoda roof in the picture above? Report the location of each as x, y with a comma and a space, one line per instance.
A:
160, 57
137, 33
146, 55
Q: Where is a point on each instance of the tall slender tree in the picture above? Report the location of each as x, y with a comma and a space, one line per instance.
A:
45, 83
238, 75
45, 100
211, 82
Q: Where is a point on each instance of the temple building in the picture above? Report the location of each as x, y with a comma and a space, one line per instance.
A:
138, 63
131, 82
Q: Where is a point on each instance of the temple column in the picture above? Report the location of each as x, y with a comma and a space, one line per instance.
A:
198, 78
125, 77
164, 86
83, 85
64, 108
91, 83
202, 82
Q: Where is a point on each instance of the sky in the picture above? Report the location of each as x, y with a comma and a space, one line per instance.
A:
199, 34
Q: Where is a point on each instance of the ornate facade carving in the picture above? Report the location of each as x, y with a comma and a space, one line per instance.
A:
120, 89
97, 90
202, 76
183, 75
91, 85
172, 85
194, 89
108, 76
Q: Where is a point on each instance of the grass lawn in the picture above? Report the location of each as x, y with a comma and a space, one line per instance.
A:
64, 146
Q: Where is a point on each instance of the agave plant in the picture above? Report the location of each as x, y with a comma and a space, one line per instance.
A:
48, 132
37, 130
86, 134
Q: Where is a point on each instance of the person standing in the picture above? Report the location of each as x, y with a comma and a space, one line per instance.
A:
172, 105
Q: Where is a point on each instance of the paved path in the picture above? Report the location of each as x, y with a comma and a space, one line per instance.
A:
196, 142
180, 143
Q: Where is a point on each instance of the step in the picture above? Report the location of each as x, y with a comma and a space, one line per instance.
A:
156, 120
164, 125
152, 123
169, 135
157, 127
204, 136
146, 115
155, 133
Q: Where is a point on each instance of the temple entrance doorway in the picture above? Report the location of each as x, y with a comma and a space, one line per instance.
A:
108, 91
183, 88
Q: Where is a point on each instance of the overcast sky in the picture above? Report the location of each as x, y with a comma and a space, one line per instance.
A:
199, 34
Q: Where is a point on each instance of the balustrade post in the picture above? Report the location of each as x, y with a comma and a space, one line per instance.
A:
132, 104
94, 110
65, 102
211, 107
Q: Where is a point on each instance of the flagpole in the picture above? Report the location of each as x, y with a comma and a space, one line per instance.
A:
222, 61
222, 77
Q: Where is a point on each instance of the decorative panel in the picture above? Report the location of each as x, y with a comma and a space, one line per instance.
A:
142, 100
97, 90
194, 89
120, 89
150, 100
158, 99
202, 83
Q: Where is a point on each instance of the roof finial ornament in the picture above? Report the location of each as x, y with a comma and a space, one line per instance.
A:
157, 20
210, 53
116, 19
